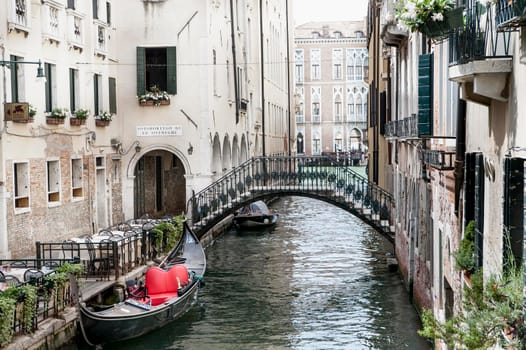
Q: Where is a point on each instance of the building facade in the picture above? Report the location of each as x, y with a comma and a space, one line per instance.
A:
450, 147
330, 94
134, 154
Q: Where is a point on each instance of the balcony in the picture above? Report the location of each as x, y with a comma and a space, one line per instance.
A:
338, 119
101, 39
75, 31
438, 159
51, 22
300, 119
480, 56
19, 15
510, 15
392, 33
404, 128
316, 119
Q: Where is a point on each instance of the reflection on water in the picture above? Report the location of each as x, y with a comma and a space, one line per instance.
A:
318, 280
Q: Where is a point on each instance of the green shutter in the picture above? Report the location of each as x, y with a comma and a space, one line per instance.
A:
171, 70
113, 95
72, 106
425, 95
96, 94
141, 71
479, 208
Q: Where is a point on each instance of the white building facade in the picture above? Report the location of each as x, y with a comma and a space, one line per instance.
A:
150, 157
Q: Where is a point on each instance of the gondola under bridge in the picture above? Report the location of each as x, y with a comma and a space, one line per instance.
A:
321, 177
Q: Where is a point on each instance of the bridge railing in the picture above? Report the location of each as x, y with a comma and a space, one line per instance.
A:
319, 176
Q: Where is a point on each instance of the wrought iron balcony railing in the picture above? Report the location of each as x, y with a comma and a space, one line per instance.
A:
478, 39
510, 14
438, 159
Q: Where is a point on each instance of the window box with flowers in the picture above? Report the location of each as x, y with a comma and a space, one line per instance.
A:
31, 112
434, 18
79, 117
154, 97
56, 116
103, 119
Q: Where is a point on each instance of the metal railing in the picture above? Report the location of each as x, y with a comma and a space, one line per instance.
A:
510, 14
406, 128
478, 39
438, 159
320, 177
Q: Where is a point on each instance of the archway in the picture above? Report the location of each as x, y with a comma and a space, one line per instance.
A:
216, 156
235, 152
299, 143
159, 184
227, 154
244, 150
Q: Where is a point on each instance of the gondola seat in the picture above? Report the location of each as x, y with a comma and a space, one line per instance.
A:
162, 285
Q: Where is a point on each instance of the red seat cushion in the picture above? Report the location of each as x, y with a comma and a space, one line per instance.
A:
177, 277
155, 280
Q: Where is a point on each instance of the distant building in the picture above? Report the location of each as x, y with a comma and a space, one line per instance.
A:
331, 63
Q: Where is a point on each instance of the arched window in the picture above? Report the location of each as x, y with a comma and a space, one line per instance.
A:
358, 69
359, 107
316, 144
350, 108
299, 143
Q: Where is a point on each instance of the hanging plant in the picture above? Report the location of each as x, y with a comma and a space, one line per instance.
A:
30, 299
465, 255
7, 321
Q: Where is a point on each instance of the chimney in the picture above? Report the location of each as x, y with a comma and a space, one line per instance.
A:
325, 31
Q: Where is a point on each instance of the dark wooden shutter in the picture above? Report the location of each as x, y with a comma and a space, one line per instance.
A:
95, 9
425, 95
383, 111
513, 211
171, 70
141, 71
372, 105
469, 188
96, 94
112, 88
479, 208
13, 68
72, 106
108, 12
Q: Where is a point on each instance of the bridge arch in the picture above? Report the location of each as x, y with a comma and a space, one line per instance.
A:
319, 177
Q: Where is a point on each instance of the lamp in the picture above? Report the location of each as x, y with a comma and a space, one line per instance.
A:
190, 149
40, 70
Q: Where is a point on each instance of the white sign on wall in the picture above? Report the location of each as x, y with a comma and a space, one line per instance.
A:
159, 130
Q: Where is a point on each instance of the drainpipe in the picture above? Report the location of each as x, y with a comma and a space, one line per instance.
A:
288, 74
460, 150
234, 61
262, 58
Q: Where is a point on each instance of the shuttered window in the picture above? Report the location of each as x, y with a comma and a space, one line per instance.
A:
425, 95
157, 66
479, 208
513, 211
112, 89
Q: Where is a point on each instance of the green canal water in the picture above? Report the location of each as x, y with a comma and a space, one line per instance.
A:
318, 280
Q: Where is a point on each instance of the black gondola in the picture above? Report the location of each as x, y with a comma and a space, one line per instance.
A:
168, 293
255, 215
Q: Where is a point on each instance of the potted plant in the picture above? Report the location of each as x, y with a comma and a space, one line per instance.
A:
103, 119
56, 116
80, 116
154, 97
32, 112
434, 18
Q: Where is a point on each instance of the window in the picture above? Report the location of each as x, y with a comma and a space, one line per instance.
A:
73, 89
77, 171
358, 72
299, 143
299, 72
17, 78
350, 72
337, 35
316, 145
474, 200
315, 108
108, 12
514, 210
53, 181
337, 71
97, 94
50, 86
338, 110
214, 60
95, 9
112, 89
21, 184
156, 66
71, 4
316, 75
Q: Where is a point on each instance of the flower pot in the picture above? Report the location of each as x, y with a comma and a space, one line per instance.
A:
99, 122
77, 121
54, 121
438, 30
146, 103
165, 102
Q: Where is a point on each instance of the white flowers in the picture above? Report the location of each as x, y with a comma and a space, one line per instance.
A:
437, 17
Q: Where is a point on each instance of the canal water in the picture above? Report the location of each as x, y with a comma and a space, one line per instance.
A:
318, 280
